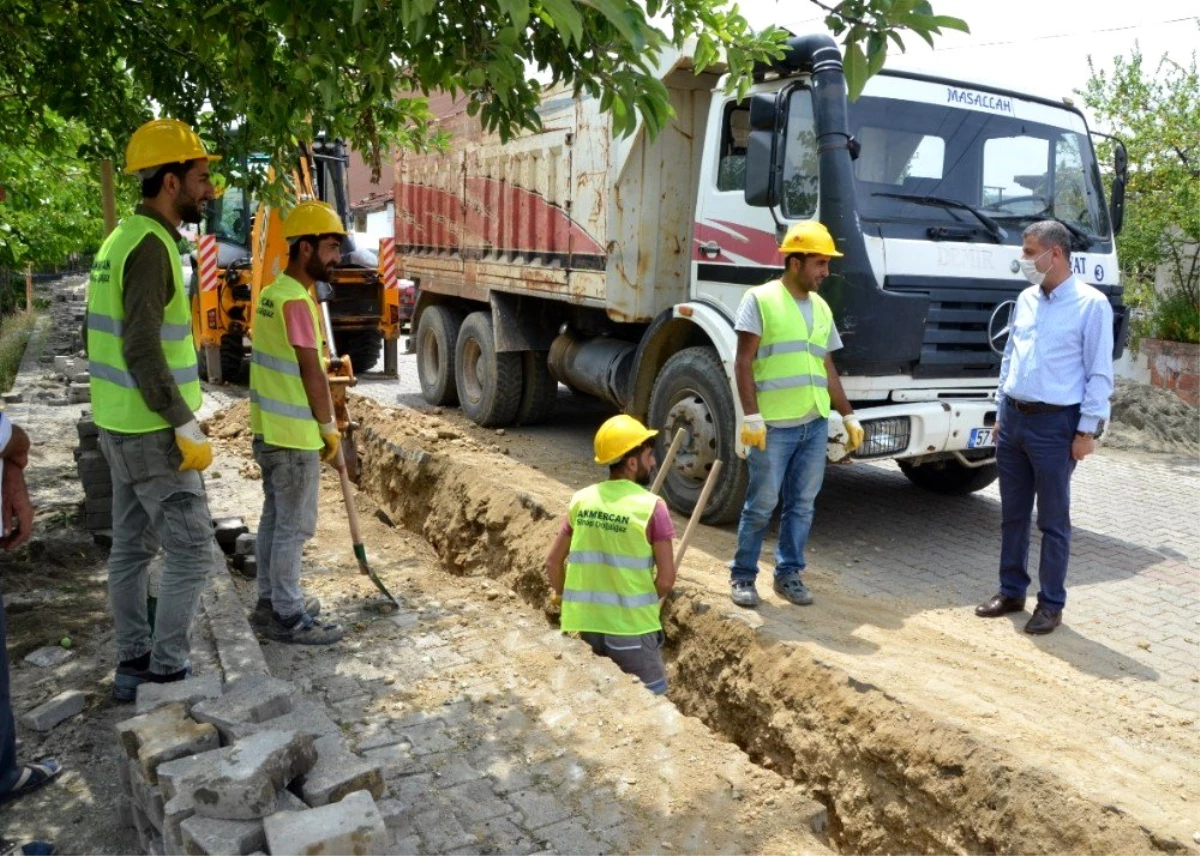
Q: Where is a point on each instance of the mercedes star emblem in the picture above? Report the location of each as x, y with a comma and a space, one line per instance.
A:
999, 326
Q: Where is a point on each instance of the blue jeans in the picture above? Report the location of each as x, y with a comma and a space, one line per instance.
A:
1033, 455
155, 503
9, 769
291, 479
791, 470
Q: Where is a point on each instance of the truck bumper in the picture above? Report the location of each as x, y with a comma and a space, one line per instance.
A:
915, 429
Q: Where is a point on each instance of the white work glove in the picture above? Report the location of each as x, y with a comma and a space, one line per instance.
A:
332, 438
754, 432
194, 446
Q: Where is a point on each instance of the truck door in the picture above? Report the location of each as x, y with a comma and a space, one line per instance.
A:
733, 244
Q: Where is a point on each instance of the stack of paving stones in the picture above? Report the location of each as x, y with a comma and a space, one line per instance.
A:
96, 479
244, 767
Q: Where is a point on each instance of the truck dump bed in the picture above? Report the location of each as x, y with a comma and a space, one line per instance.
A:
567, 213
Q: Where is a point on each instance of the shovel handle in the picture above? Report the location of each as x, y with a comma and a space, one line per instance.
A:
667, 461
701, 503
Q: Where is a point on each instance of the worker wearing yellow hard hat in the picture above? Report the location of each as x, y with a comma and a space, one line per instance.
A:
786, 384
145, 393
292, 420
613, 561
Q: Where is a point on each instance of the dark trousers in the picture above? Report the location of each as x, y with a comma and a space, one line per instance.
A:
9, 771
1033, 454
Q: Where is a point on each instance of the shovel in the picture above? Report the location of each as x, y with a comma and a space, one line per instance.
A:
360, 551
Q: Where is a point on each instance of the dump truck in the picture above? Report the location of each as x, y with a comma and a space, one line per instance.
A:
242, 252
615, 265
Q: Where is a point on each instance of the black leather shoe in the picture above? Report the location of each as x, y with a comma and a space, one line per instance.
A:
1044, 620
1000, 604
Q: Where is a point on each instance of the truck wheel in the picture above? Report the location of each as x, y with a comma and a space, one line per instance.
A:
693, 393
363, 347
437, 335
539, 389
489, 384
233, 357
949, 477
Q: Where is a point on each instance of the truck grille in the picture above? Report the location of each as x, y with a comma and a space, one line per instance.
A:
955, 341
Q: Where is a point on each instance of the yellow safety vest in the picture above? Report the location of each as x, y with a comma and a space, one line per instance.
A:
610, 569
789, 369
117, 402
279, 409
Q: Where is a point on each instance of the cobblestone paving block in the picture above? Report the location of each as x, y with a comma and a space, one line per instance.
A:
338, 772
451, 771
353, 825
441, 831
151, 697
251, 702
538, 808
164, 735
501, 835
240, 782
306, 717
428, 739
49, 657
404, 844
207, 836
49, 714
176, 810
477, 800
375, 736
396, 760
570, 836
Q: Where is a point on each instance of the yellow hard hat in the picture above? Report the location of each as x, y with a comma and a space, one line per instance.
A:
619, 435
163, 141
313, 218
809, 236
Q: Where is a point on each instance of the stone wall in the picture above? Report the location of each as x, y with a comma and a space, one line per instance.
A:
1174, 366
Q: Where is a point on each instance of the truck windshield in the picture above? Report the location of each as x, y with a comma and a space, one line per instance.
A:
945, 171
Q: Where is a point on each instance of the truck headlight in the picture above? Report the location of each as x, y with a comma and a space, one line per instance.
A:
884, 437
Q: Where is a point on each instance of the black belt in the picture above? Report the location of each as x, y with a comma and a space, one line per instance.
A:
1031, 407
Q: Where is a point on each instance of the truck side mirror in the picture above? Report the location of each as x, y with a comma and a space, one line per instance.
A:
762, 152
1116, 205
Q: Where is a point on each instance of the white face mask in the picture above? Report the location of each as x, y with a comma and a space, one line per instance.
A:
1029, 268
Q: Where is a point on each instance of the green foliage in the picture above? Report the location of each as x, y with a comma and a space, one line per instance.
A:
52, 199
14, 334
261, 75
1155, 110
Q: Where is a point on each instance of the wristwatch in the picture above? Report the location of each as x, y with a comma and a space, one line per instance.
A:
1093, 434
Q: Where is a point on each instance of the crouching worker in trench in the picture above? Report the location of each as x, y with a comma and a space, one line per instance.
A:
613, 559
291, 417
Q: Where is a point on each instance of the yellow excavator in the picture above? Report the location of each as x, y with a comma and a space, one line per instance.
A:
242, 250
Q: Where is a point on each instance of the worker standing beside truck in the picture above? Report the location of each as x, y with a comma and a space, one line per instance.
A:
786, 382
145, 393
1056, 379
616, 545
291, 417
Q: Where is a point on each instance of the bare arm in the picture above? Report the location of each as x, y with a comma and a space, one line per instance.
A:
664, 564
17, 450
316, 386
837, 395
556, 561
747, 349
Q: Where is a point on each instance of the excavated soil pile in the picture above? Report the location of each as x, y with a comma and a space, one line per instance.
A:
1148, 419
893, 778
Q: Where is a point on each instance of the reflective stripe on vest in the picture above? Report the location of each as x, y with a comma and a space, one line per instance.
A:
610, 568
789, 368
117, 402
279, 409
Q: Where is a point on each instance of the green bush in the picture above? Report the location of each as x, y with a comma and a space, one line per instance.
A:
14, 334
1176, 317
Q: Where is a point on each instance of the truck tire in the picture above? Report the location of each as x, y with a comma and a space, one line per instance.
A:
363, 347
539, 389
233, 358
949, 478
489, 384
437, 337
692, 392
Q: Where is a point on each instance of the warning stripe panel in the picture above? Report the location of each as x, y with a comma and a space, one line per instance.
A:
206, 249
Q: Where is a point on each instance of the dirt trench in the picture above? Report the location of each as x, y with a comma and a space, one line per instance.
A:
894, 779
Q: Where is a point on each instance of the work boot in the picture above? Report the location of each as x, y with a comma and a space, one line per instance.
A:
303, 630
790, 588
260, 616
130, 676
744, 593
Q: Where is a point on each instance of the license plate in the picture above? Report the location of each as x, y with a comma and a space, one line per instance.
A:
980, 437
